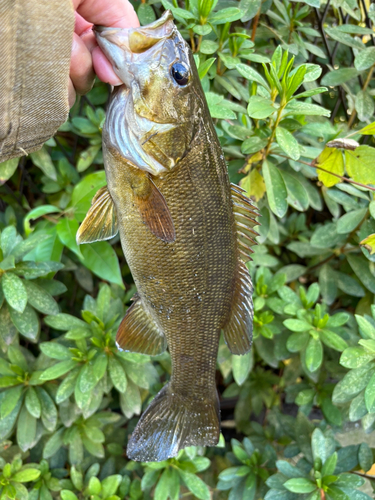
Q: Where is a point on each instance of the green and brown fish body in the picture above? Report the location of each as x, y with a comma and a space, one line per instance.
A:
181, 226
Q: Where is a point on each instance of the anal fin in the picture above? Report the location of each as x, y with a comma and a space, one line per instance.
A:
239, 328
100, 222
138, 332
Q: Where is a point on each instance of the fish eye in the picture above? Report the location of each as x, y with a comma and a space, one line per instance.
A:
180, 73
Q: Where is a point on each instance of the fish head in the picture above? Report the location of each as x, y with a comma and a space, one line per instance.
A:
159, 96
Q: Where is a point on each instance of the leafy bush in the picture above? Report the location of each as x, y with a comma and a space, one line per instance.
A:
290, 88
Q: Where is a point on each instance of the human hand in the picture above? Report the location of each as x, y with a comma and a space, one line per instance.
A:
87, 58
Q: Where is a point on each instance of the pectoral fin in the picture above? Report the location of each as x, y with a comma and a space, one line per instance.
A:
100, 222
244, 213
239, 329
138, 332
155, 214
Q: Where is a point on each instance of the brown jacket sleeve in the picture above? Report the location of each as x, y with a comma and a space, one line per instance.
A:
35, 47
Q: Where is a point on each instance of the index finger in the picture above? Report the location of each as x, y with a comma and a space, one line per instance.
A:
114, 13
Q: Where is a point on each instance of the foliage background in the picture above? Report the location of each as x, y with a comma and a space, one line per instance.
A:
282, 80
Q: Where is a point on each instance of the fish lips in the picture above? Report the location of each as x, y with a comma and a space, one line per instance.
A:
126, 46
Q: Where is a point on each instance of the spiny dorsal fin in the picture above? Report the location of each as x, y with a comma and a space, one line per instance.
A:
138, 332
156, 215
100, 222
244, 213
238, 331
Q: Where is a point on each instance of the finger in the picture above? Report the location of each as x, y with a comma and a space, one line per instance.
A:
103, 68
81, 25
116, 13
81, 69
72, 94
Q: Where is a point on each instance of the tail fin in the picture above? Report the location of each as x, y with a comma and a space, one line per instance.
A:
173, 422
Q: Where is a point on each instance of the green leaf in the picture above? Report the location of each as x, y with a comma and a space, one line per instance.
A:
297, 325
253, 145
162, 488
354, 357
328, 283
352, 383
26, 430
195, 485
260, 107
55, 351
359, 164
300, 485
49, 412
58, 370
27, 323
26, 475
288, 143
314, 354
32, 403
67, 495
117, 374
365, 457
344, 38
66, 388
329, 465
368, 130
365, 59
370, 395
84, 192
360, 266
67, 230
249, 9
364, 105
339, 76
348, 222
250, 74
102, 260
226, 15
304, 108
204, 67
10, 400
297, 194
63, 321
14, 291
276, 190
7, 169
241, 366
36, 213
40, 299
54, 443
43, 160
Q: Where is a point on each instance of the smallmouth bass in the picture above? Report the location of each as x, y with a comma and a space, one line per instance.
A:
185, 232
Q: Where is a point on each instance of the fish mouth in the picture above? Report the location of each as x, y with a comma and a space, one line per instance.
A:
123, 46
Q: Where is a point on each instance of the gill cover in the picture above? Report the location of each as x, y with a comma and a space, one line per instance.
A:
149, 120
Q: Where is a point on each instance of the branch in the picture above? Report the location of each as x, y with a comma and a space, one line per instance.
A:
343, 179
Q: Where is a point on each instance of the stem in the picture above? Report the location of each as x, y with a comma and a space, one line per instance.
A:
365, 85
255, 25
199, 43
277, 121
192, 41
343, 179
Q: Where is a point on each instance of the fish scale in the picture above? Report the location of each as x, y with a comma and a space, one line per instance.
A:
185, 232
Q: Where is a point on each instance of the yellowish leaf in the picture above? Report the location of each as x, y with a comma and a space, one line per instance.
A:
254, 185
360, 164
368, 130
369, 243
330, 159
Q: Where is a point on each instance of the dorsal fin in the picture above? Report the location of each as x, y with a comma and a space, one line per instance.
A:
244, 213
100, 222
239, 328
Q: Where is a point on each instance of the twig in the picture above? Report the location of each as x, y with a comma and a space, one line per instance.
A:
344, 179
255, 24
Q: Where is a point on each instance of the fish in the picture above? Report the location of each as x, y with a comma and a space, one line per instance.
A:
186, 232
